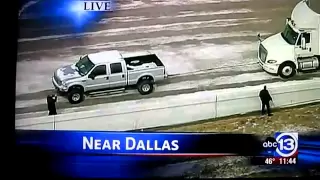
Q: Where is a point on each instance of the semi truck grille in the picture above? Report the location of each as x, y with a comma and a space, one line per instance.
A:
262, 53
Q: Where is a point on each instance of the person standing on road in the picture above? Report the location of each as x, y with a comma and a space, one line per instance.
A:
51, 102
265, 101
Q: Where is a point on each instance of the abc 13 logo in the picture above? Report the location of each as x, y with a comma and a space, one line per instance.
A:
282, 145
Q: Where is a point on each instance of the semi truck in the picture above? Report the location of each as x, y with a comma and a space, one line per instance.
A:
296, 48
108, 71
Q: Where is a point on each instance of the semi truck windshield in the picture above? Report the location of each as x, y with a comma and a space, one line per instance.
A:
289, 35
84, 65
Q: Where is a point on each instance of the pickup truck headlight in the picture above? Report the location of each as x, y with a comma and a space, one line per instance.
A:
64, 83
271, 61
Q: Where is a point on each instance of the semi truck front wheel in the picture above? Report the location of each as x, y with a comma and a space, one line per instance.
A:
287, 70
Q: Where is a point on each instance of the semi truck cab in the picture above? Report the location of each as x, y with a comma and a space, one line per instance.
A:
294, 49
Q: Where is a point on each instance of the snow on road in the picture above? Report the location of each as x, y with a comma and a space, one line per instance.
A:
177, 100
156, 28
34, 76
181, 14
217, 81
135, 4
191, 2
189, 36
153, 42
188, 56
178, 86
205, 56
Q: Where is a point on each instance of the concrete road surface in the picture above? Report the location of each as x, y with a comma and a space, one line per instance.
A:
204, 44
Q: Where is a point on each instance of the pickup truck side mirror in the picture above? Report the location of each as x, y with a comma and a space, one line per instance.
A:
91, 76
303, 43
259, 37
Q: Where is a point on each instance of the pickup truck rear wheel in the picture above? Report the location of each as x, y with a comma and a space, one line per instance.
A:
145, 87
75, 96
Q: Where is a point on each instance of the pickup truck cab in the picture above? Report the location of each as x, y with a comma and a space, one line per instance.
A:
108, 70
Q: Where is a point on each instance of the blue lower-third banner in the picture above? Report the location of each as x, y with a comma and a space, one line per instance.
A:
126, 154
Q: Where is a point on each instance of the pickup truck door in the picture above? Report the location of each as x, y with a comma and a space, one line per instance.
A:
97, 78
117, 76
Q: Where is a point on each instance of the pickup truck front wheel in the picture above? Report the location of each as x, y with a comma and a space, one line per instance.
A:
75, 96
145, 87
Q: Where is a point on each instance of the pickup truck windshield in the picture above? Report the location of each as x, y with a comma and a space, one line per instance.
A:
84, 65
289, 35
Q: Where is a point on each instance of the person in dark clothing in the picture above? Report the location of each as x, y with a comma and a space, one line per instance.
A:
265, 100
51, 102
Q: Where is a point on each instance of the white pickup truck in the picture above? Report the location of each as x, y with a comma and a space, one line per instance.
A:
108, 71
297, 48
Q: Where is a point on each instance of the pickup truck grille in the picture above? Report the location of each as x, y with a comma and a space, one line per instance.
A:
58, 81
262, 53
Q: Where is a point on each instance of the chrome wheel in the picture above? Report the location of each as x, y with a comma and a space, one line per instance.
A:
75, 97
287, 71
145, 87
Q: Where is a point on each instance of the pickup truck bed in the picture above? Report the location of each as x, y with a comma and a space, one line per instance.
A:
148, 64
139, 60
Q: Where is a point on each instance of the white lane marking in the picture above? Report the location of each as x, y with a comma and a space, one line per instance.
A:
192, 2
150, 28
135, 4
202, 96
181, 14
224, 80
152, 41
168, 39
